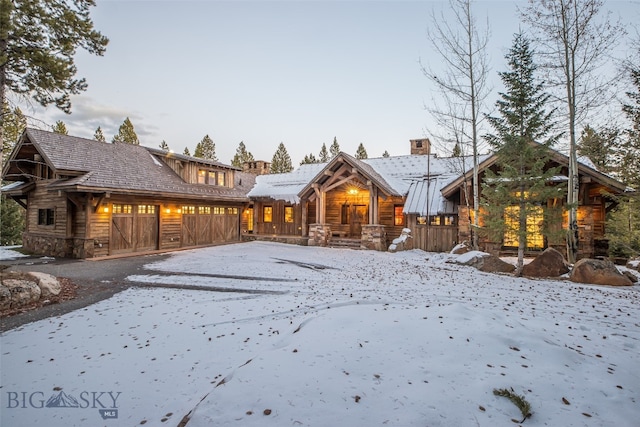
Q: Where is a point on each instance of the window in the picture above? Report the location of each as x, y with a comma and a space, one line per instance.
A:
222, 179
46, 217
122, 209
345, 214
204, 210
422, 220
435, 220
217, 210
146, 209
288, 214
202, 176
398, 216
189, 210
250, 220
534, 237
232, 211
267, 214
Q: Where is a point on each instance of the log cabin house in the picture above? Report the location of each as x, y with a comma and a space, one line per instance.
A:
88, 199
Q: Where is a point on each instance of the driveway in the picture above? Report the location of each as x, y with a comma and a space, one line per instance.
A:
96, 280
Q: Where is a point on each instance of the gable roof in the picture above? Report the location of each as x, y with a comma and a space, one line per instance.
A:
94, 166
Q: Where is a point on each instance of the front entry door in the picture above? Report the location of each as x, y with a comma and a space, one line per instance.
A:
360, 216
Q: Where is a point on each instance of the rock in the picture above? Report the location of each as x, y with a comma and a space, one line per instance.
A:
48, 284
631, 276
549, 263
493, 264
598, 272
461, 248
23, 291
484, 262
401, 243
5, 298
634, 264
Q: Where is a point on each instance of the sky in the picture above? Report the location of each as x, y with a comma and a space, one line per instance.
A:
310, 336
266, 72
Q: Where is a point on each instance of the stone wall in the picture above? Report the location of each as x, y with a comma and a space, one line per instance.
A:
58, 247
374, 237
319, 234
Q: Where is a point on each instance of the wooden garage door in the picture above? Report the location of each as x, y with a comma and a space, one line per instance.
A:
134, 228
226, 224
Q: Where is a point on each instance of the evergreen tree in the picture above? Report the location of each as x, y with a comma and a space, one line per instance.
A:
623, 224
12, 215
457, 151
38, 40
519, 189
60, 128
99, 135
281, 161
241, 156
335, 148
126, 133
186, 151
361, 153
309, 158
598, 146
385, 154
206, 149
323, 157
164, 146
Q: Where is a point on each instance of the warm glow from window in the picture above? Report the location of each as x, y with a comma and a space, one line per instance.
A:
188, 210
398, 216
202, 176
535, 240
249, 213
204, 210
288, 214
267, 214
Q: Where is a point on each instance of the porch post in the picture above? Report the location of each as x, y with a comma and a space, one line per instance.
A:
304, 206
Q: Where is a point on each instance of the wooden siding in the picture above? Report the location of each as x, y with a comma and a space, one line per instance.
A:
40, 198
277, 225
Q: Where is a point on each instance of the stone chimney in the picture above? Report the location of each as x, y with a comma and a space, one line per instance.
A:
421, 146
258, 167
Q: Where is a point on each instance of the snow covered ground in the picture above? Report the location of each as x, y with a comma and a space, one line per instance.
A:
304, 336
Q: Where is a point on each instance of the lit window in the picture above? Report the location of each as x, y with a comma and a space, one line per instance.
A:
449, 220
288, 214
204, 210
222, 179
202, 176
46, 217
146, 209
189, 210
249, 219
435, 220
267, 214
122, 209
217, 210
398, 216
534, 237
422, 220
233, 211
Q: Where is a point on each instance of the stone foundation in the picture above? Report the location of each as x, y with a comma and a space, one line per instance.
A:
58, 247
374, 237
319, 234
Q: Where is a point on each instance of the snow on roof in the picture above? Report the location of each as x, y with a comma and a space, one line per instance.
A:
285, 186
424, 197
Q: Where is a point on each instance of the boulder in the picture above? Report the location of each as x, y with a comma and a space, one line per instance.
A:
23, 291
634, 264
48, 284
598, 272
549, 263
484, 262
631, 276
461, 248
402, 243
493, 264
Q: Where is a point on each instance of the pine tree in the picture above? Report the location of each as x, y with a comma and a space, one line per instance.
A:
457, 151
38, 40
385, 154
361, 153
186, 151
623, 224
599, 146
335, 148
99, 135
241, 156
309, 158
60, 128
519, 189
164, 146
206, 149
126, 133
323, 157
12, 216
281, 161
